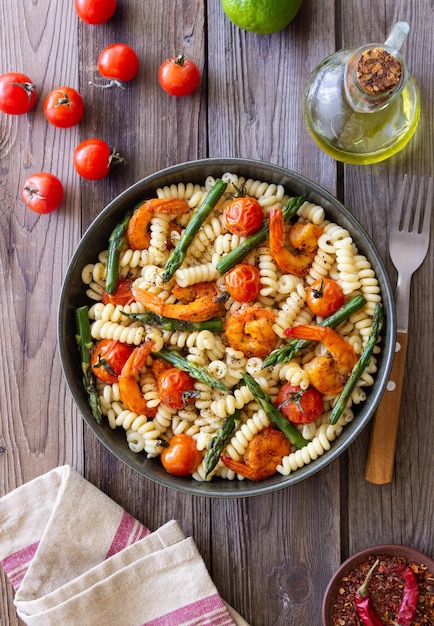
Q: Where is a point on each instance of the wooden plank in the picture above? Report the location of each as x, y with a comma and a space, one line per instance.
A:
398, 512
34, 252
152, 130
255, 111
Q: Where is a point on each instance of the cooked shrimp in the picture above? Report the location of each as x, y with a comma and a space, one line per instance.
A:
137, 230
263, 454
129, 389
251, 331
208, 303
329, 372
302, 236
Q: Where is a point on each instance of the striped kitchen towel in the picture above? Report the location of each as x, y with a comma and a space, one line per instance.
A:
75, 557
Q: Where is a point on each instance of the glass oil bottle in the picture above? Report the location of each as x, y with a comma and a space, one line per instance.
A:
361, 105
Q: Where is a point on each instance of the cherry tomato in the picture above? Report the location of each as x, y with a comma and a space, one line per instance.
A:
298, 405
42, 192
243, 216
182, 457
243, 282
179, 76
119, 62
123, 294
93, 158
17, 93
175, 388
108, 358
324, 297
64, 107
95, 11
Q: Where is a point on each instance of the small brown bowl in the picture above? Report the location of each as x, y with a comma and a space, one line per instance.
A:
411, 554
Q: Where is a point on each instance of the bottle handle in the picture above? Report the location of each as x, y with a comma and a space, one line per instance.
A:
397, 36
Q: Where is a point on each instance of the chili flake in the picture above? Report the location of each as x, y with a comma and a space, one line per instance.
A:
386, 591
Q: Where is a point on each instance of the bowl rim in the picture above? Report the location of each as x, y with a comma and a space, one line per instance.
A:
296, 183
388, 549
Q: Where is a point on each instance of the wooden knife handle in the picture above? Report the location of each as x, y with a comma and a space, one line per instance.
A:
381, 454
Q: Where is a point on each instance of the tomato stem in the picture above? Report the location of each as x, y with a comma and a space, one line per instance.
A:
112, 82
180, 59
33, 194
115, 158
29, 88
62, 100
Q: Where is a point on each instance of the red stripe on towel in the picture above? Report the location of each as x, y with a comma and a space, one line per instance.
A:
209, 611
129, 531
16, 565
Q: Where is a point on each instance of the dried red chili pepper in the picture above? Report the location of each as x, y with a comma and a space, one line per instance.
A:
410, 596
364, 607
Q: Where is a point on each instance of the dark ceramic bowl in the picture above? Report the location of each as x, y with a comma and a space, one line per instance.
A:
96, 239
411, 554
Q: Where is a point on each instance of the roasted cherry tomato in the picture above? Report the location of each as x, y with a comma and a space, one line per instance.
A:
298, 405
243, 282
243, 216
42, 192
93, 158
179, 76
175, 388
64, 107
123, 294
108, 358
119, 62
181, 457
324, 297
95, 11
17, 93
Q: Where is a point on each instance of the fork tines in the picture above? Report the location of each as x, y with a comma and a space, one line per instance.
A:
418, 219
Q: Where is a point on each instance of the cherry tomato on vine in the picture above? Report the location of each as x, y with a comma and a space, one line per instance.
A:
119, 63
181, 457
64, 107
300, 406
17, 93
95, 11
243, 282
243, 216
122, 295
179, 76
93, 158
42, 192
175, 388
324, 297
108, 358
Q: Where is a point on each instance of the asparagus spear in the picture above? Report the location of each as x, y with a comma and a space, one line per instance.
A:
249, 244
215, 325
291, 349
219, 441
84, 341
116, 243
196, 371
362, 363
288, 429
197, 219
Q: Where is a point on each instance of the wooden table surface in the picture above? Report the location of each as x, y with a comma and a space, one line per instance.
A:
272, 555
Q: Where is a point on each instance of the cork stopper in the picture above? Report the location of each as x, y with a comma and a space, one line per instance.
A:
378, 71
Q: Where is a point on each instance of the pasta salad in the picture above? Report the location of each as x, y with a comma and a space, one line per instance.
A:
224, 326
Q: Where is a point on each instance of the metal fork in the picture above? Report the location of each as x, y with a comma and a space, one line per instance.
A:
408, 246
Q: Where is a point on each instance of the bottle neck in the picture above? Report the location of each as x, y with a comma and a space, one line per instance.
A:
373, 77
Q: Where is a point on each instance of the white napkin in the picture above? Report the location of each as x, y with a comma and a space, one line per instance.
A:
75, 557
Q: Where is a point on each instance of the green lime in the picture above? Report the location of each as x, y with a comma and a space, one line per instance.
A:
261, 16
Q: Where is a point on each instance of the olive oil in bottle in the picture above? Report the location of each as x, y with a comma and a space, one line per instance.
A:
361, 105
